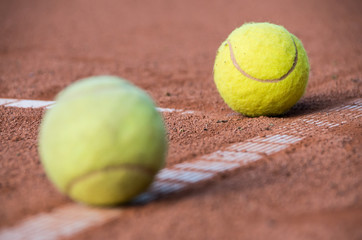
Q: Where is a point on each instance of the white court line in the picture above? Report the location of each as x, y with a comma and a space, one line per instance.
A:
30, 104
278, 139
170, 110
232, 156
358, 101
68, 220
156, 189
62, 222
357, 107
317, 122
165, 187
23, 103
4, 101
208, 166
266, 148
184, 176
353, 106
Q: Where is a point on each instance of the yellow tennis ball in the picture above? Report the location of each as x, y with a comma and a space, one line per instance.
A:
103, 141
261, 69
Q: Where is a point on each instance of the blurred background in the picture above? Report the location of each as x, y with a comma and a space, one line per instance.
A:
53, 43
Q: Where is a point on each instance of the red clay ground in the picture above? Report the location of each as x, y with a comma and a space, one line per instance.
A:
310, 191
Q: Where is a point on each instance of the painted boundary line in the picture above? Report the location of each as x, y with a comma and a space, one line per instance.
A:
64, 221
24, 103
182, 175
73, 218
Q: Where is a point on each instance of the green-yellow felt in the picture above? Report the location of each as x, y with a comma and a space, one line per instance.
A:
261, 69
103, 141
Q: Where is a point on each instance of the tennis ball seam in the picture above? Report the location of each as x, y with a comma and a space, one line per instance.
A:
133, 167
233, 59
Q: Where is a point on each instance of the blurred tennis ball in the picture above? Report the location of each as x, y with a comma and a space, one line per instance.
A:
261, 69
103, 141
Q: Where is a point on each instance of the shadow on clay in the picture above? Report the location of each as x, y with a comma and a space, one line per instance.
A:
314, 104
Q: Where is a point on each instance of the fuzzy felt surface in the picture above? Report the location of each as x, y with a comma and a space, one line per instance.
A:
261, 69
103, 141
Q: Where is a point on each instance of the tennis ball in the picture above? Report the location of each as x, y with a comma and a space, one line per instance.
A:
103, 141
261, 69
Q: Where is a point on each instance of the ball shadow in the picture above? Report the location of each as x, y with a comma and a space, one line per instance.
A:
313, 104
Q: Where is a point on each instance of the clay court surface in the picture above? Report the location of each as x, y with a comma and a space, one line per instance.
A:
300, 177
